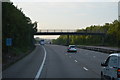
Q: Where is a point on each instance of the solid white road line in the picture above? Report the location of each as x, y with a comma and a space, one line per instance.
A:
85, 68
41, 67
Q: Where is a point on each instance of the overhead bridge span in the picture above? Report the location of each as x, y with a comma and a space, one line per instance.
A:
68, 32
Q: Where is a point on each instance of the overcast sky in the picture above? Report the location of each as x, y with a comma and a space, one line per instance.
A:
69, 15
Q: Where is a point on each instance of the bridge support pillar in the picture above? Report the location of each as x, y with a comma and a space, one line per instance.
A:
68, 40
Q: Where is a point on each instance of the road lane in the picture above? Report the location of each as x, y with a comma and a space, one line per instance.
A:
27, 67
60, 64
92, 60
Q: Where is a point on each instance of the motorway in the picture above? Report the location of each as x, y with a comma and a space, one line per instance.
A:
57, 64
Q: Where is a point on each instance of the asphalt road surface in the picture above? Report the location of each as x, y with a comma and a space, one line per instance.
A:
57, 63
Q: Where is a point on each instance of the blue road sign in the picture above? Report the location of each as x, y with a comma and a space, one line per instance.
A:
9, 42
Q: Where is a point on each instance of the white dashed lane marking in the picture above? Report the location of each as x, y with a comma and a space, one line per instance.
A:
85, 68
76, 61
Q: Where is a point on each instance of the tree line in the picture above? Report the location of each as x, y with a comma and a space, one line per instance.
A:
112, 37
17, 26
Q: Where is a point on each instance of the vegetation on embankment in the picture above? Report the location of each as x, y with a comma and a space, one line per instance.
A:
112, 37
19, 27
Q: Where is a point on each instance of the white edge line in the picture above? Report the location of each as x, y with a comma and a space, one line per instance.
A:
85, 68
41, 67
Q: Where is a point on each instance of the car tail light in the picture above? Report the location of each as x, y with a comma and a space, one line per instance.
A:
118, 72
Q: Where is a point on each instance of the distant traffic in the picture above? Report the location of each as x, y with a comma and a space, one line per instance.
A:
42, 42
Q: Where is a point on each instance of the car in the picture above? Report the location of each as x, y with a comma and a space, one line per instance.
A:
111, 67
72, 48
42, 42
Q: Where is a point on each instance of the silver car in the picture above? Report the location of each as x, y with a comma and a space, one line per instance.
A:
111, 67
72, 48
